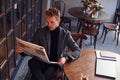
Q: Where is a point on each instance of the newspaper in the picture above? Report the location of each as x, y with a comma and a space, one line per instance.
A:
34, 50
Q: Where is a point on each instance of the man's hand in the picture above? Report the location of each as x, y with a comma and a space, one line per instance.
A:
19, 49
61, 61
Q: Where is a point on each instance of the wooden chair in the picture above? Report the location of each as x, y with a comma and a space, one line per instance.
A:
78, 36
109, 26
91, 28
60, 4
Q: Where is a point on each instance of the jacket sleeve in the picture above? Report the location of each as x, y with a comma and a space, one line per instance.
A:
72, 45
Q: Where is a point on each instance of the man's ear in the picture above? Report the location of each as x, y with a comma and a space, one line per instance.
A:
59, 20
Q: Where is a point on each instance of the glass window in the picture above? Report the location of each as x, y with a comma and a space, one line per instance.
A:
3, 53
23, 7
19, 30
29, 4
11, 64
18, 14
8, 3
9, 22
37, 5
23, 25
4, 72
1, 6
10, 42
2, 35
29, 17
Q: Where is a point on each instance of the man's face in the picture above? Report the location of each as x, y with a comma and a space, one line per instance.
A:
52, 22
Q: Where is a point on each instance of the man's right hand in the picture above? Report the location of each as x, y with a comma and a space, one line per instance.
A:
19, 49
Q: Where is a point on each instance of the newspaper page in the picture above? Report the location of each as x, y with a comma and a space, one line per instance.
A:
34, 50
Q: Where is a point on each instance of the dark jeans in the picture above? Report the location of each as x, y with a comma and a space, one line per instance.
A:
41, 70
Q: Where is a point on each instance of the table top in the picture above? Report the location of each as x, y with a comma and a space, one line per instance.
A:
86, 65
78, 12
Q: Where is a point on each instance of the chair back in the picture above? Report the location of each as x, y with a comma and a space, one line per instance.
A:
78, 36
60, 4
91, 27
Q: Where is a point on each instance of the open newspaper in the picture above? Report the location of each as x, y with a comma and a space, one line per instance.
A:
34, 50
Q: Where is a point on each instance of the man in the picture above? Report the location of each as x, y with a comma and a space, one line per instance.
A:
54, 39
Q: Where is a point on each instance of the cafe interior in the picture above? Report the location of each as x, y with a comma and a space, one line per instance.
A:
94, 25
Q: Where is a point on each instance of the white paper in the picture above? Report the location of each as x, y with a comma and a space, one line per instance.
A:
105, 56
34, 50
105, 66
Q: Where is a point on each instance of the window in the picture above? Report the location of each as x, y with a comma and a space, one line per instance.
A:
2, 34
20, 22
1, 6
3, 54
10, 42
9, 22
8, 3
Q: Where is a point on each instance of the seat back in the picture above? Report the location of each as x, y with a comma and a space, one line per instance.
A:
91, 27
60, 4
78, 36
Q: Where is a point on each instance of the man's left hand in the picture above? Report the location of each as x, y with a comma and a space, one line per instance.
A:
61, 61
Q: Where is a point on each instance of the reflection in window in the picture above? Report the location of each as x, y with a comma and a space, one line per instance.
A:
8, 22
2, 53
29, 17
23, 7
29, 4
37, 5
19, 30
10, 42
18, 15
1, 6
8, 3
23, 27
4, 72
11, 64
1, 29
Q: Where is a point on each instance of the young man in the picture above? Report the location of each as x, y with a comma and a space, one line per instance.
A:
54, 39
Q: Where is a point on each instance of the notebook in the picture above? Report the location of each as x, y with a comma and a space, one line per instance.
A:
105, 67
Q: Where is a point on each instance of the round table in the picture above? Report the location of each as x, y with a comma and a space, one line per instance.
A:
78, 12
86, 64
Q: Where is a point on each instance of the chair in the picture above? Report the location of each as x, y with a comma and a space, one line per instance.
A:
60, 4
109, 26
91, 28
78, 36
118, 33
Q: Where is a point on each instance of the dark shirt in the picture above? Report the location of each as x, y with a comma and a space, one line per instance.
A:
54, 43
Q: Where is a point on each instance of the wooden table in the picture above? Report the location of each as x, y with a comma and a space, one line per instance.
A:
86, 65
78, 13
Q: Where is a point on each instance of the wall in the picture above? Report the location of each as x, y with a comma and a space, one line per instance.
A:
109, 6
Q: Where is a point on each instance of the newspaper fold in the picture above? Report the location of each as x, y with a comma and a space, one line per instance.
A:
33, 50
